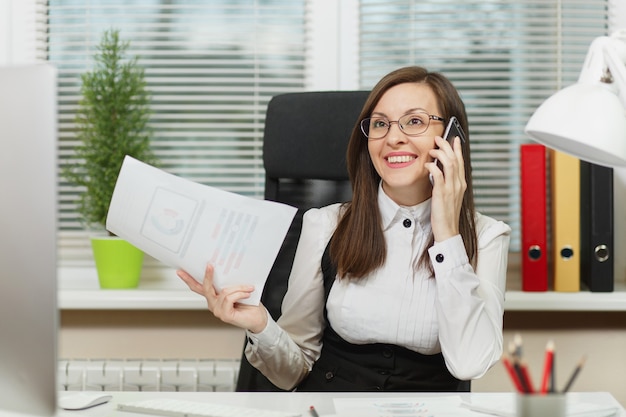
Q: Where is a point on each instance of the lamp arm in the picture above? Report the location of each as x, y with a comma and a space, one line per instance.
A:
615, 59
607, 53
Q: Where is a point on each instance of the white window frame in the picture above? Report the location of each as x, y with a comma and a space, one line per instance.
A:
332, 45
18, 37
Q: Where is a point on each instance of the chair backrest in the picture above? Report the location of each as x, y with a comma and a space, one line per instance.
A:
304, 151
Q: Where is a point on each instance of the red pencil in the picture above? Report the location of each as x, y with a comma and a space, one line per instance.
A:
547, 367
512, 374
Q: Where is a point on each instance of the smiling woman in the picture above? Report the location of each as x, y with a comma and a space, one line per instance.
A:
401, 252
386, 143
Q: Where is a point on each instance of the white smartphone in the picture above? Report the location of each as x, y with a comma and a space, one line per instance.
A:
453, 129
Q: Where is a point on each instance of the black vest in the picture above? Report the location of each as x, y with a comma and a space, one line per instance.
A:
344, 366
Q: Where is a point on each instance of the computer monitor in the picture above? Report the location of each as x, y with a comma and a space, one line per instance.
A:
28, 254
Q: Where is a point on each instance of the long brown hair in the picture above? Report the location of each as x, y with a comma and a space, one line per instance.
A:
358, 244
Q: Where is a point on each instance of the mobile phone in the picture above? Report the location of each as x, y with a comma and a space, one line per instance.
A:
453, 129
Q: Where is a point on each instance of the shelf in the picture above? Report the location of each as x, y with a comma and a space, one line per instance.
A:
518, 300
557, 301
170, 299
79, 290
134, 299
159, 289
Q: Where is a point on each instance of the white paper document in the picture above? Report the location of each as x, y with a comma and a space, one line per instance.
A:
506, 407
452, 406
439, 406
186, 225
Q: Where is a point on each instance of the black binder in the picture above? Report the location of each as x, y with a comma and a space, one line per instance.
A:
596, 240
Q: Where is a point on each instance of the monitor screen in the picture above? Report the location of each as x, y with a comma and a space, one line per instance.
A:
28, 267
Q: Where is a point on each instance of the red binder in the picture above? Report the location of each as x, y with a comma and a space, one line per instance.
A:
534, 211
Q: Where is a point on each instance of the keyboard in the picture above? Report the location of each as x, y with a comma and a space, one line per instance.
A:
183, 408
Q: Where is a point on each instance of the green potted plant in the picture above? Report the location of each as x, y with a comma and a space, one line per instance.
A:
111, 122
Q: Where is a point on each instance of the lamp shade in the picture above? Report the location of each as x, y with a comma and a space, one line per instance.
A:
586, 120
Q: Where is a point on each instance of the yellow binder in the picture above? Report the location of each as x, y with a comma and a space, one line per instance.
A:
565, 190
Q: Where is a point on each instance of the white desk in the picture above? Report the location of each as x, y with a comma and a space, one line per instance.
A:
299, 402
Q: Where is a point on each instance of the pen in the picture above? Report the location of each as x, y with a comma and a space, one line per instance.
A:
517, 343
547, 369
520, 376
313, 412
526, 380
574, 374
513, 374
552, 387
515, 348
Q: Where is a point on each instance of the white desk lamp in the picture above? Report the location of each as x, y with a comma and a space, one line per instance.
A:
588, 119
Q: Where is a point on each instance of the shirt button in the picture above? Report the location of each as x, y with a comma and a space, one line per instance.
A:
387, 353
406, 223
439, 258
329, 375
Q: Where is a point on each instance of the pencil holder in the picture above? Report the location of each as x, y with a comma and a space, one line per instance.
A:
548, 405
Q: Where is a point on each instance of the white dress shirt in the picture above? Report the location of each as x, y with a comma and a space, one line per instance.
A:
458, 312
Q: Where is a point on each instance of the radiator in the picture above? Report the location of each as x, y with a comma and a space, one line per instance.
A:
147, 375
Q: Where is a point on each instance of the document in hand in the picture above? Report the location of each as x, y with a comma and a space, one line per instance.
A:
187, 225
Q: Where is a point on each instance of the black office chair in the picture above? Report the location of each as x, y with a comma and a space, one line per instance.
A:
304, 151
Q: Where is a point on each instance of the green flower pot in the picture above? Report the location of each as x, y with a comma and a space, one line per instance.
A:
118, 262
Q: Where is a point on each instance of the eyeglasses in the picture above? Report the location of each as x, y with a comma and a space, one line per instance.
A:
413, 124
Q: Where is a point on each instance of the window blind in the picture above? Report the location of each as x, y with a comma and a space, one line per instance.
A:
211, 68
504, 56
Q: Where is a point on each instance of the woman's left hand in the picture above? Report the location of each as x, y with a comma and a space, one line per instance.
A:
224, 304
448, 189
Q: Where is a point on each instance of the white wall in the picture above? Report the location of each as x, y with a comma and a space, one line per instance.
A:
197, 335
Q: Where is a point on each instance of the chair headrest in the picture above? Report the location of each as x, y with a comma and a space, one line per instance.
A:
306, 134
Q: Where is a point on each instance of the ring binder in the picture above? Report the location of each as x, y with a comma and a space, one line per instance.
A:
534, 217
597, 263
566, 202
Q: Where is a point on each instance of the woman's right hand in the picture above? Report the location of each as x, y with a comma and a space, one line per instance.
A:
225, 303
448, 189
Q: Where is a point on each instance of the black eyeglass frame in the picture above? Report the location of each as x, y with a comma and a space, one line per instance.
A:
365, 122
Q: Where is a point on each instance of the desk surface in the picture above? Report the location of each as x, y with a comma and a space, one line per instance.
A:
300, 402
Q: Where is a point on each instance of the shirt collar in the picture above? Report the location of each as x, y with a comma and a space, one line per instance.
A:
392, 212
